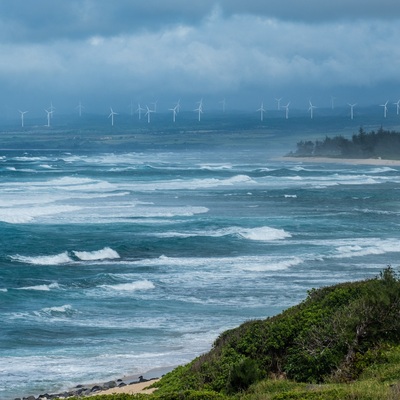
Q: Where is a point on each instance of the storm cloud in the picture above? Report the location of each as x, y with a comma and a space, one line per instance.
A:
102, 52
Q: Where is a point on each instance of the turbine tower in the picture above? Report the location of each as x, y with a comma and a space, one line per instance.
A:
49, 114
139, 111
155, 106
262, 111
279, 103
199, 109
287, 110
22, 117
397, 104
148, 112
174, 112
384, 109
80, 107
112, 113
352, 109
311, 109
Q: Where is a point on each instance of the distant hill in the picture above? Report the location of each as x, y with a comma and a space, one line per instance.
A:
380, 144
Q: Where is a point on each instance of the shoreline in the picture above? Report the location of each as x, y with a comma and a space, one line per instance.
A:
351, 161
128, 384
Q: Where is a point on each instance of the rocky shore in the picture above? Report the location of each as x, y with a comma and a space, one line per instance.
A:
121, 385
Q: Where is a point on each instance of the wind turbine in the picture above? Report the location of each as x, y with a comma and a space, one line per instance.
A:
384, 109
262, 111
51, 109
311, 108
148, 112
139, 111
80, 107
22, 117
112, 113
174, 112
49, 114
279, 103
397, 104
287, 110
199, 109
178, 106
352, 109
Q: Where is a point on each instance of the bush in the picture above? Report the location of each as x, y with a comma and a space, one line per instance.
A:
242, 375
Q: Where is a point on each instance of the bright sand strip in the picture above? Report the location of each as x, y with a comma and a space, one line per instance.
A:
353, 161
133, 388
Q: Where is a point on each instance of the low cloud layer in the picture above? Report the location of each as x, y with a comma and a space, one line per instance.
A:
104, 52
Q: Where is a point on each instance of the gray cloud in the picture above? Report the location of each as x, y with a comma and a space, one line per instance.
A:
47, 20
103, 52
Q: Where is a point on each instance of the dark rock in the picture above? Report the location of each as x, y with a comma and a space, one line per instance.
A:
30, 398
109, 385
96, 388
122, 384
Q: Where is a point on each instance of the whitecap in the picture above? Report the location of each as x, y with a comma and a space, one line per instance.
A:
103, 254
56, 311
264, 234
382, 169
42, 288
28, 214
131, 286
62, 258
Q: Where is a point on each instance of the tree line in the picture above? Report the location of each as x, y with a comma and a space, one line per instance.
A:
380, 144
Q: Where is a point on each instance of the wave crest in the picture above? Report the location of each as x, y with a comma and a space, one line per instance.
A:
58, 259
104, 254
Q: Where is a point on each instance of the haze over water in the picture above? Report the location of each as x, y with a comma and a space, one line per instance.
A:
115, 262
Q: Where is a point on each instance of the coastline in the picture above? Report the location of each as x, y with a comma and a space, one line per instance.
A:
352, 161
128, 384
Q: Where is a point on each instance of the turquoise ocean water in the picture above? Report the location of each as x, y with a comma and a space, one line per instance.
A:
117, 263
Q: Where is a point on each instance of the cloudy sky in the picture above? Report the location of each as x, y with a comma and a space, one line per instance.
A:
106, 52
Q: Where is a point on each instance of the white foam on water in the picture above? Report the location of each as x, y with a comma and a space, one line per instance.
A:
25, 215
380, 170
42, 288
58, 259
367, 247
264, 233
56, 312
103, 254
131, 286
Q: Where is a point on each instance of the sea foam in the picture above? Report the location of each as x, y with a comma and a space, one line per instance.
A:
62, 258
104, 254
42, 288
131, 286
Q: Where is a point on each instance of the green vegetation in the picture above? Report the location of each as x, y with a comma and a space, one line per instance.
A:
384, 144
341, 342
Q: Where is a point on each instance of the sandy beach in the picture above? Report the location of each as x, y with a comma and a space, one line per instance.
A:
353, 161
134, 388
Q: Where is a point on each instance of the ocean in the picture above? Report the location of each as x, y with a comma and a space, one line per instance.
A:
116, 263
